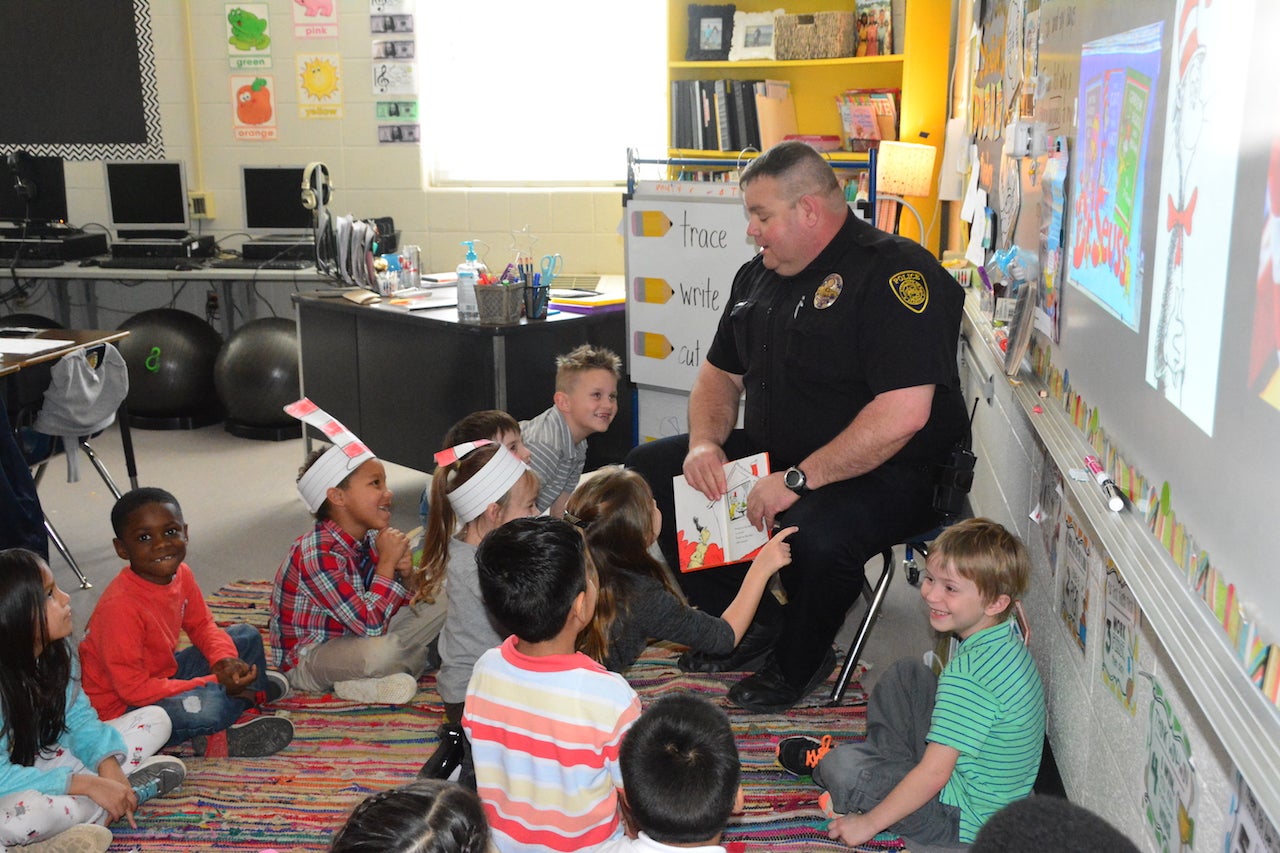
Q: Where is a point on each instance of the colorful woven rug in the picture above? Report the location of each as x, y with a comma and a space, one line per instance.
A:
343, 752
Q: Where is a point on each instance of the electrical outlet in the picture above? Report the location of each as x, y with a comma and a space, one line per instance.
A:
200, 205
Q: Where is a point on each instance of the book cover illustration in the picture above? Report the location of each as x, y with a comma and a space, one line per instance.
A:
717, 533
875, 27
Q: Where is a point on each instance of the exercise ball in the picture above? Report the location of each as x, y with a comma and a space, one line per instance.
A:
170, 354
257, 372
31, 321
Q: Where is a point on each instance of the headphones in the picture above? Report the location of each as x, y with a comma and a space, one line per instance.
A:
316, 188
22, 164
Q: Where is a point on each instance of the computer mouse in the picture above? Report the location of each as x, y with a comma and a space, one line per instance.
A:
90, 262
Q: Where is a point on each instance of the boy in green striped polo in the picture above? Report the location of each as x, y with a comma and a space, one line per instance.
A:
943, 754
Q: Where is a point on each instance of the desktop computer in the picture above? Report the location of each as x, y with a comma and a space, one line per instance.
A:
183, 246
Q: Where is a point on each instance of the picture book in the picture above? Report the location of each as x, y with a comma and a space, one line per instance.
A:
717, 533
875, 27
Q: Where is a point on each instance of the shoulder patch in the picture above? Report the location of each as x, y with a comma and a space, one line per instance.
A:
828, 292
911, 289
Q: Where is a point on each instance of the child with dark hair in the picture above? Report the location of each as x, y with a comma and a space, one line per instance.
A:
426, 816
340, 613
638, 601
545, 722
1048, 824
943, 753
130, 651
680, 774
62, 768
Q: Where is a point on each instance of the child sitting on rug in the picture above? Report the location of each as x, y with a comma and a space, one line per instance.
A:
130, 651
545, 722
637, 599
680, 773
585, 402
493, 424
426, 816
944, 753
340, 614
62, 768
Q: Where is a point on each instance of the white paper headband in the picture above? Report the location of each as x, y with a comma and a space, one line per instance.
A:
488, 484
347, 454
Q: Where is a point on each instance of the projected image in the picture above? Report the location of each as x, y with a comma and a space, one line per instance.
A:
1197, 197
1264, 351
1118, 78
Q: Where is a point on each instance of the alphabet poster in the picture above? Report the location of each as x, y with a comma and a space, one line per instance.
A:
685, 240
1120, 640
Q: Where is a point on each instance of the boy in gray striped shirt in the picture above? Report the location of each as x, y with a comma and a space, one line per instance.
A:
943, 754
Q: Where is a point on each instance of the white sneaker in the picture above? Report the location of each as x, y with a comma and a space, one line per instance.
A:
81, 838
397, 689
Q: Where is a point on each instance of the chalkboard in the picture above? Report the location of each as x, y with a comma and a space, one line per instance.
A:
1170, 318
80, 79
684, 242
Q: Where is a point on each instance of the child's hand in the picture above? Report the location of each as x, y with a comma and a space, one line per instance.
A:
393, 552
852, 829
236, 676
116, 798
775, 554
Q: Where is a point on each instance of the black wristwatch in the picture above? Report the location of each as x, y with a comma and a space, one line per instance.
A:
795, 480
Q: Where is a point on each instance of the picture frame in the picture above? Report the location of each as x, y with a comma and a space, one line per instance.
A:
710, 29
753, 35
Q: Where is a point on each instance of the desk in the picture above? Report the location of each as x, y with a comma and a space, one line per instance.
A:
16, 397
399, 380
226, 280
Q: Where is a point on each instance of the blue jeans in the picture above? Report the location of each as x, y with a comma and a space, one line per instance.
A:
207, 709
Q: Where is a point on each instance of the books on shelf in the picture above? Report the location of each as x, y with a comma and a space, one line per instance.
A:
717, 533
730, 115
868, 116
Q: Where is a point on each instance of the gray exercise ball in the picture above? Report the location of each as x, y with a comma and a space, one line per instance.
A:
257, 372
170, 354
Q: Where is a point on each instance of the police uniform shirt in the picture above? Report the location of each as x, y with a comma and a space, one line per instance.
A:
873, 312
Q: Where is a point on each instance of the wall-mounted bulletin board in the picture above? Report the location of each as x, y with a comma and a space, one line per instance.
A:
80, 79
1163, 336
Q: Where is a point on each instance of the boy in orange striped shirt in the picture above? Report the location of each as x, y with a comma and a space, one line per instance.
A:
545, 722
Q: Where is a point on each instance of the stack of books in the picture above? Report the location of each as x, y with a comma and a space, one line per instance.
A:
868, 116
730, 115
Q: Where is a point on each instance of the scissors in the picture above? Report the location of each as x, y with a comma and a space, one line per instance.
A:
551, 267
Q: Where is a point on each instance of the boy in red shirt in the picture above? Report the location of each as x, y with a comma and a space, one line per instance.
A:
129, 653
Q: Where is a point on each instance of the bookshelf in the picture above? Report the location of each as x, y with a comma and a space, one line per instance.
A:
920, 71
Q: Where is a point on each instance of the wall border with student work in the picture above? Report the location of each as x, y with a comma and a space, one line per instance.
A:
1101, 748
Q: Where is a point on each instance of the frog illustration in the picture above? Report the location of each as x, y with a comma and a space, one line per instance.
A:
248, 31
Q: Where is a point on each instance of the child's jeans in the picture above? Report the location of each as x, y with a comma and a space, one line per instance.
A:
860, 775
28, 816
207, 709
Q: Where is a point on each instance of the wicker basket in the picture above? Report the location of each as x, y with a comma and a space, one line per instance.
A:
500, 304
822, 35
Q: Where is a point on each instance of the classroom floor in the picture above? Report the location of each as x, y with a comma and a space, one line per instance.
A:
239, 501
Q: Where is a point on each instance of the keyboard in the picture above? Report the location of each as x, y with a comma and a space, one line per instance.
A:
165, 263
32, 263
277, 264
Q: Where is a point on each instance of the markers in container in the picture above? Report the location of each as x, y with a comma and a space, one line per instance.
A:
1115, 498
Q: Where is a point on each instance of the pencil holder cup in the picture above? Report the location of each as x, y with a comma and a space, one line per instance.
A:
500, 304
535, 301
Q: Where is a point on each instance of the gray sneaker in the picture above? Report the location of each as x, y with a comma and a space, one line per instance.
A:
277, 686
157, 776
259, 736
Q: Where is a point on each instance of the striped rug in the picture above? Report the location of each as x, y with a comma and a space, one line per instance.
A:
342, 752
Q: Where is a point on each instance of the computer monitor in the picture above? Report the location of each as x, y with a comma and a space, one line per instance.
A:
147, 198
42, 196
273, 202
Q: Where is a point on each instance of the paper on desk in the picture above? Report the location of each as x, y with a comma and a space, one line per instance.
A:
31, 346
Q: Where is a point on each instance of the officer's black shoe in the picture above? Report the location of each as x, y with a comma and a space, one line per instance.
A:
769, 692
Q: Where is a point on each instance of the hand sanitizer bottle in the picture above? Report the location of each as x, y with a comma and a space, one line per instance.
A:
468, 278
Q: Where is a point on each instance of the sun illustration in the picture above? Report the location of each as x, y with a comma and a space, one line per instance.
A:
319, 78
